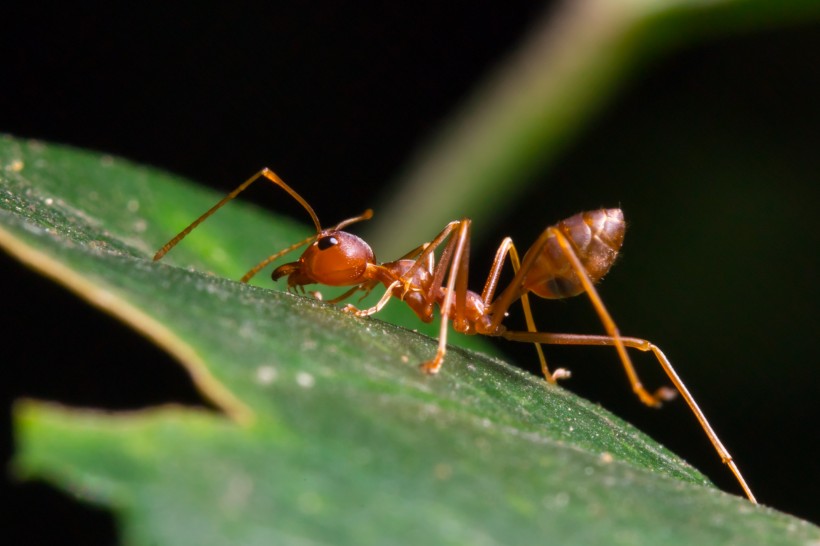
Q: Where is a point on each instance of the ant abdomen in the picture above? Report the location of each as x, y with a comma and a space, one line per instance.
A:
596, 237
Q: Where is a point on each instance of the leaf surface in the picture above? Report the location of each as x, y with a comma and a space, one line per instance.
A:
328, 432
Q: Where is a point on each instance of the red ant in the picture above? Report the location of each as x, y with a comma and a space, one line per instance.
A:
566, 260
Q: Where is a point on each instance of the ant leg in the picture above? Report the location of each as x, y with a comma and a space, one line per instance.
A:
350, 308
641, 345
365, 287
654, 399
560, 373
457, 250
422, 253
507, 247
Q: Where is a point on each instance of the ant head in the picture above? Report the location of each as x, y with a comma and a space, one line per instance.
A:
335, 258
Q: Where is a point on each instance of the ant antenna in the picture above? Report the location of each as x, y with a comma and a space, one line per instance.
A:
267, 173
366, 215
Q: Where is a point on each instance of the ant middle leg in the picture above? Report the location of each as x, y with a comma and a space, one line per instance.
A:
507, 247
455, 258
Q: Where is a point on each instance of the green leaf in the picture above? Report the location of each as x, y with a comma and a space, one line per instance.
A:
328, 432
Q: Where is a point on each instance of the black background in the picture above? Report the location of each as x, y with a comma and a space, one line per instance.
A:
711, 151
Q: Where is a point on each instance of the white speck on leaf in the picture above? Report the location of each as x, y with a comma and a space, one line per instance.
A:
140, 226
265, 375
305, 380
559, 501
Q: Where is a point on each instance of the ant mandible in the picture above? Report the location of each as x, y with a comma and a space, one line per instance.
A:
565, 260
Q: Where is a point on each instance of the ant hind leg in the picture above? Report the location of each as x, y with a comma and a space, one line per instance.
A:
650, 399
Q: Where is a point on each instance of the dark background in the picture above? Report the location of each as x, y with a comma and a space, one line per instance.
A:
711, 151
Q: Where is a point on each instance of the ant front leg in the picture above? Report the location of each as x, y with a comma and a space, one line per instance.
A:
456, 252
384, 273
353, 310
417, 280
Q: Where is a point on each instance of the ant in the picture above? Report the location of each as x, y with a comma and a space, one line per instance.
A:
567, 259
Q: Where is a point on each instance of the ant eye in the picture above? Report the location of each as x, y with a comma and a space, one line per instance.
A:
326, 242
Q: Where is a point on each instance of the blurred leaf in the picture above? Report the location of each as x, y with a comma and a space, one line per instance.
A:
520, 118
